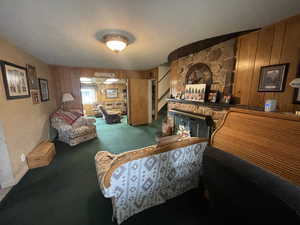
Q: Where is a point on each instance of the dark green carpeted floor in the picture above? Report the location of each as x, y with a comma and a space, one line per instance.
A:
66, 192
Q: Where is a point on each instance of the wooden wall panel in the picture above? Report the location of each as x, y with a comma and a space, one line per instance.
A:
279, 33
247, 46
278, 43
290, 54
262, 58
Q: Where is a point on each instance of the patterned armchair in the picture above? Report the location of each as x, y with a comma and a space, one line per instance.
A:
80, 130
143, 178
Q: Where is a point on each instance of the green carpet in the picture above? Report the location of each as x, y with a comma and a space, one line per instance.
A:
121, 137
66, 192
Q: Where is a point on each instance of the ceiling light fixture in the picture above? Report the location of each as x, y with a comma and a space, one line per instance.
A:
110, 80
115, 40
116, 43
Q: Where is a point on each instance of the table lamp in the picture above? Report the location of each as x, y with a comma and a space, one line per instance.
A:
67, 97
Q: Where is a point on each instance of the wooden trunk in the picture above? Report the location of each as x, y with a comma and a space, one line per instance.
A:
41, 156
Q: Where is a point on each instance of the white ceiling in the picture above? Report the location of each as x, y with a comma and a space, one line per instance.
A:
63, 31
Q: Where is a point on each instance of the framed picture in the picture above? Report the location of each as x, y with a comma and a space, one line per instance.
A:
32, 78
15, 81
111, 93
44, 91
195, 92
273, 78
35, 97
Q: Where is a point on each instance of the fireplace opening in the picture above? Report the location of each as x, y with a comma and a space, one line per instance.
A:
197, 125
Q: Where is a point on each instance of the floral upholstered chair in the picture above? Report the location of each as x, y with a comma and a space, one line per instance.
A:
143, 178
73, 128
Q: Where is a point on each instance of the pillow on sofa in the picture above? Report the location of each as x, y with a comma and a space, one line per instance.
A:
68, 117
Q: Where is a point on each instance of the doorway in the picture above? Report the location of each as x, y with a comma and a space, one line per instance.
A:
109, 94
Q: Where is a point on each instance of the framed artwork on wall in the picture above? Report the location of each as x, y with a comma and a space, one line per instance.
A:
15, 81
35, 97
44, 91
32, 78
111, 93
273, 78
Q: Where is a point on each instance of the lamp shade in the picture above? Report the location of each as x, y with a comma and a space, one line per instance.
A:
295, 83
67, 97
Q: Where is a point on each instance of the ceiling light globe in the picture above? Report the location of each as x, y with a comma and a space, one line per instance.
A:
116, 45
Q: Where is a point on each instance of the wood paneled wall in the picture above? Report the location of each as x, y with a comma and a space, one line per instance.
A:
278, 43
67, 79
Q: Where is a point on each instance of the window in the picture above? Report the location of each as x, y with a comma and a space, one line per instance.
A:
88, 95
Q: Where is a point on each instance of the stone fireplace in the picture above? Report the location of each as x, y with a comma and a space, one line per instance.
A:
213, 66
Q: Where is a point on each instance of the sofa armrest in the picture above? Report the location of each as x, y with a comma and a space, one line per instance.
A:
103, 161
60, 125
83, 121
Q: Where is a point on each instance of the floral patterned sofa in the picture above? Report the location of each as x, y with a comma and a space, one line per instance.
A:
143, 178
72, 127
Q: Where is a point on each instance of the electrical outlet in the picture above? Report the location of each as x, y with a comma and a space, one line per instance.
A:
23, 157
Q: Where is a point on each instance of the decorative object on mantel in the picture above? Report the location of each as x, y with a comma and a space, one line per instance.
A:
67, 97
35, 97
270, 105
213, 96
44, 91
195, 92
32, 78
296, 84
272, 78
15, 81
227, 99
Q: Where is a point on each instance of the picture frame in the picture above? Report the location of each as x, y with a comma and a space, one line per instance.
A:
44, 90
15, 80
273, 78
111, 93
35, 97
32, 77
195, 92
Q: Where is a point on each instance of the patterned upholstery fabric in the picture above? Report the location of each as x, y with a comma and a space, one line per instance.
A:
83, 129
68, 116
151, 180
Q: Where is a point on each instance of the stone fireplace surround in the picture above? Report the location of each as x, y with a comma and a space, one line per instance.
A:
220, 61
215, 112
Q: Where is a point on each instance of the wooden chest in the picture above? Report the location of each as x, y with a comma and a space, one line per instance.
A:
41, 156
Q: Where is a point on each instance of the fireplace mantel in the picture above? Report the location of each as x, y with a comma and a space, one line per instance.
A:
215, 106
